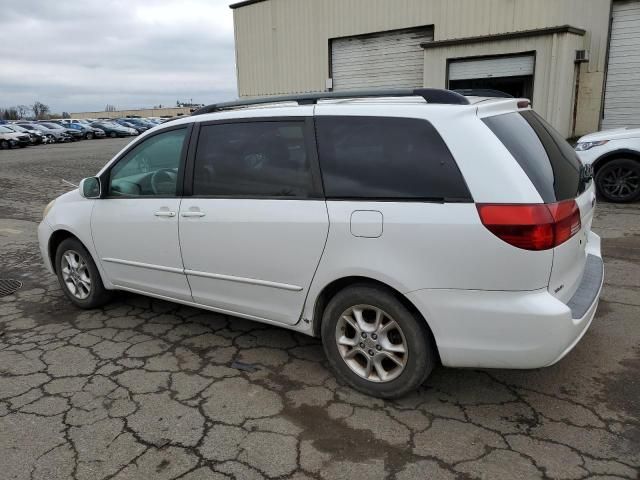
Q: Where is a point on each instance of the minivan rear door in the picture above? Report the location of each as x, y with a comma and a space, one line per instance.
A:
558, 175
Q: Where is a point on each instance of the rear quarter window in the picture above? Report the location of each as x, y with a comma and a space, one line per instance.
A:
545, 156
386, 158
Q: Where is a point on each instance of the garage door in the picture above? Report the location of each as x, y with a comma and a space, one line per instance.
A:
499, 67
390, 59
622, 96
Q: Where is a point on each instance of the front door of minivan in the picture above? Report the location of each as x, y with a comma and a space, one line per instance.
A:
254, 229
135, 224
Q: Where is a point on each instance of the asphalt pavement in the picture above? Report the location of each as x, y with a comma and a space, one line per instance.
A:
146, 389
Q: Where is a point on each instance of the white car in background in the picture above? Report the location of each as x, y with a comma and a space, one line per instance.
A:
405, 231
615, 157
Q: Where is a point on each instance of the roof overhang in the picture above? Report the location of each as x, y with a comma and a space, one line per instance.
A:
539, 32
245, 3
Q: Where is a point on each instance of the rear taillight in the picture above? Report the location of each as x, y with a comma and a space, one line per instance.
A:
532, 226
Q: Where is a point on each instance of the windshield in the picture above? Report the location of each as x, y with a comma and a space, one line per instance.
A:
5, 130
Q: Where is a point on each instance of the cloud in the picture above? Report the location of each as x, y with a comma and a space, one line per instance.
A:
82, 55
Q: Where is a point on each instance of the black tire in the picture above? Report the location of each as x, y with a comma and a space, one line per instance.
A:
89, 136
113, 134
98, 295
618, 180
5, 144
420, 350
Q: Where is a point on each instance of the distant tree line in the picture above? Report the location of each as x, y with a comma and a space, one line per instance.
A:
38, 110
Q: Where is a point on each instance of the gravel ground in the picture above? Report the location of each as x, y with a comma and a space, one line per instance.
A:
145, 389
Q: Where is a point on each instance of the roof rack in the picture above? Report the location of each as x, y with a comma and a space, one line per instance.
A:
431, 95
482, 92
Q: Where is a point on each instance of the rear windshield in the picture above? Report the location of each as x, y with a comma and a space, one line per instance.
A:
548, 160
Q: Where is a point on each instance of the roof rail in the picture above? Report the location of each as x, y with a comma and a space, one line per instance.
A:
431, 95
482, 92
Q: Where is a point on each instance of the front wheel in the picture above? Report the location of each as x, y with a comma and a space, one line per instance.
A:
79, 276
113, 134
5, 144
89, 135
374, 343
619, 180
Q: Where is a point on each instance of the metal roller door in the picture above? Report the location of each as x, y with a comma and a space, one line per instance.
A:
500, 67
622, 96
389, 59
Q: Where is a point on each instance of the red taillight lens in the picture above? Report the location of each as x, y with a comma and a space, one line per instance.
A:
532, 227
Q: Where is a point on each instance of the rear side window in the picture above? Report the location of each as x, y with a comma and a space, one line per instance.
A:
545, 156
386, 158
255, 159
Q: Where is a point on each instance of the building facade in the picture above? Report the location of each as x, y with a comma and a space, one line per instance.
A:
144, 112
578, 60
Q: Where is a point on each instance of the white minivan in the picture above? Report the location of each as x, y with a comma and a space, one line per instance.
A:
404, 228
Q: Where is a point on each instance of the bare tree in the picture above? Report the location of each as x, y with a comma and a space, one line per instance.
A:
66, 115
23, 111
40, 110
10, 114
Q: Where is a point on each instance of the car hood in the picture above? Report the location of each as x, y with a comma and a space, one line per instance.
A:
617, 134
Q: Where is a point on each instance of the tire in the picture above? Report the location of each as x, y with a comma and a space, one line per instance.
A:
113, 134
89, 136
93, 297
412, 333
5, 144
618, 180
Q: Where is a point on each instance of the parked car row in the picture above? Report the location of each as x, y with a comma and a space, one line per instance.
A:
22, 133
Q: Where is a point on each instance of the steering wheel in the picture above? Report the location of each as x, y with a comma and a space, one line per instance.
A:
163, 181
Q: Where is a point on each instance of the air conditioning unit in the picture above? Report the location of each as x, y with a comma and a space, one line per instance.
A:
582, 56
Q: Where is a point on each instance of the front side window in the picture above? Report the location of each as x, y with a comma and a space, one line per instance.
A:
386, 158
255, 159
151, 168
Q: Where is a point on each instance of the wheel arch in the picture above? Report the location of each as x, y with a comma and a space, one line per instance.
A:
332, 288
55, 240
614, 155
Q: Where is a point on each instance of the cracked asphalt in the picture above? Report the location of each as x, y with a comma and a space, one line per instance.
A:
145, 389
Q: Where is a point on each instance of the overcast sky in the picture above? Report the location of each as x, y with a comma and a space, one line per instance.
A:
82, 55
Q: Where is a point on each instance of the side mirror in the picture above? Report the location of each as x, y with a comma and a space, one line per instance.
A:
90, 187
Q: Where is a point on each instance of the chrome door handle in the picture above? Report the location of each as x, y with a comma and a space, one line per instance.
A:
165, 213
192, 214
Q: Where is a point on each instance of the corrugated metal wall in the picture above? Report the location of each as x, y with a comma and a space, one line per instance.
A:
283, 46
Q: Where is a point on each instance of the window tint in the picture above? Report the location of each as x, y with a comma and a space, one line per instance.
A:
386, 158
262, 159
151, 168
547, 159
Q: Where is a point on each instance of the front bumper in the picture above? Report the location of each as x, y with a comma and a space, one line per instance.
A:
44, 235
518, 329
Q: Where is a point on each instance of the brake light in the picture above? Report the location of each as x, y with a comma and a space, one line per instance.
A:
532, 226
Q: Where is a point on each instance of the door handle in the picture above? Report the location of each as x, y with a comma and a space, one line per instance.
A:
192, 214
165, 213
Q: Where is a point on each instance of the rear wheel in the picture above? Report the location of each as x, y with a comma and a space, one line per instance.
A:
89, 135
374, 343
113, 134
619, 180
79, 276
5, 144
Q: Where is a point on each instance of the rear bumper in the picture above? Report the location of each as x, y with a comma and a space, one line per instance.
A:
502, 329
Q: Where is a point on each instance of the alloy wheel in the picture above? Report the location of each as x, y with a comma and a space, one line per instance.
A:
75, 274
371, 343
620, 183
